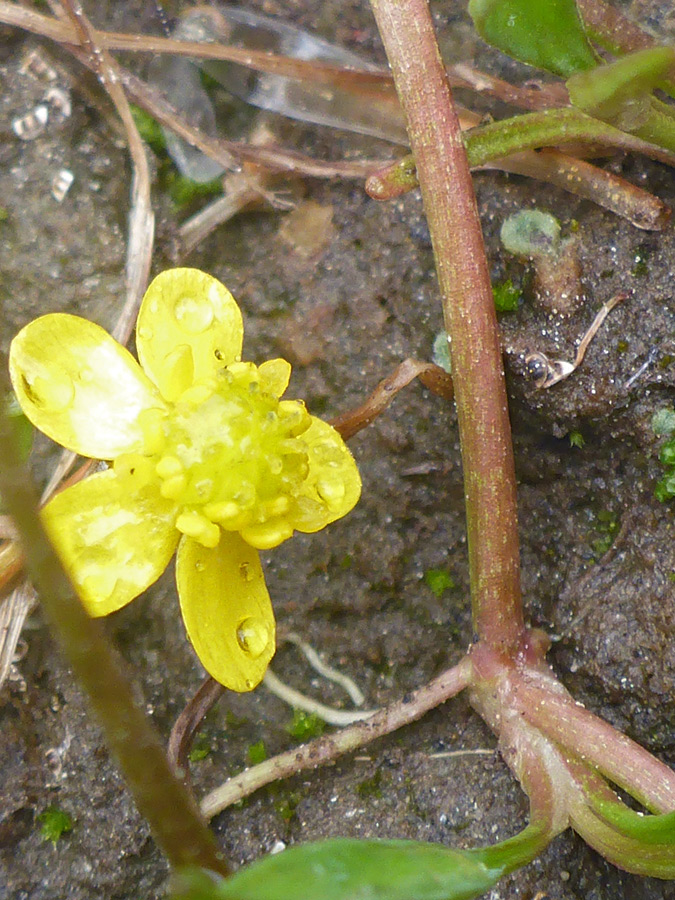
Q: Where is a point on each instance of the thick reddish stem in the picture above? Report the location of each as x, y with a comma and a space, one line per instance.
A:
449, 202
620, 759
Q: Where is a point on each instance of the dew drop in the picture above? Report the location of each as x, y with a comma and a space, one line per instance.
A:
199, 566
245, 572
145, 333
253, 636
193, 314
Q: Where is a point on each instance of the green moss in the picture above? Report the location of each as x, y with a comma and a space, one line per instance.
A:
439, 581
607, 524
305, 726
286, 806
201, 747
371, 788
507, 297
640, 268
55, 823
149, 129
257, 753
183, 190
663, 425
663, 422
576, 439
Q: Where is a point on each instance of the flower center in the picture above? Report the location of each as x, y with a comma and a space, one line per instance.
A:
229, 454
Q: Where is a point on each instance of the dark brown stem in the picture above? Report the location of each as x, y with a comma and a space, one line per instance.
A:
159, 795
432, 377
468, 305
187, 723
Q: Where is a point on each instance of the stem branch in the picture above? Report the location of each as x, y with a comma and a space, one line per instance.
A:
329, 747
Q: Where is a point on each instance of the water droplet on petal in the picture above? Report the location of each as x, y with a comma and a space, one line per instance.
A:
193, 314
245, 572
253, 636
199, 566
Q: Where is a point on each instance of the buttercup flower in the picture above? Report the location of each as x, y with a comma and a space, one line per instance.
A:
206, 459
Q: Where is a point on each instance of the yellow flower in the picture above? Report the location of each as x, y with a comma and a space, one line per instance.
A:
206, 459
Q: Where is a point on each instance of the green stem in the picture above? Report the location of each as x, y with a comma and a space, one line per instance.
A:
468, 306
160, 796
551, 128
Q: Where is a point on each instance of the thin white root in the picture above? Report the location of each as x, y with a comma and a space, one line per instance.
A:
301, 701
327, 671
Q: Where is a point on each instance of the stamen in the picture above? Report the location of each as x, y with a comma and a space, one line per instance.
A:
196, 526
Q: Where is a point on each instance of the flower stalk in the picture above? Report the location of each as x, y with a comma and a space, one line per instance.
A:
161, 798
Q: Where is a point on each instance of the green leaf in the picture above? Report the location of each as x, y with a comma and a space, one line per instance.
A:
547, 34
618, 92
346, 869
349, 869
644, 845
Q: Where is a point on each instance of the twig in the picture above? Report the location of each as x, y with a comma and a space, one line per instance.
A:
455, 754
13, 613
432, 377
556, 370
329, 747
141, 216
358, 80
585, 180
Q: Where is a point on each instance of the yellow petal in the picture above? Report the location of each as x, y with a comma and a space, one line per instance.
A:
79, 386
274, 376
226, 609
189, 326
333, 484
113, 541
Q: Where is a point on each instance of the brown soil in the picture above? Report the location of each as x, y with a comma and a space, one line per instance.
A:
345, 317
